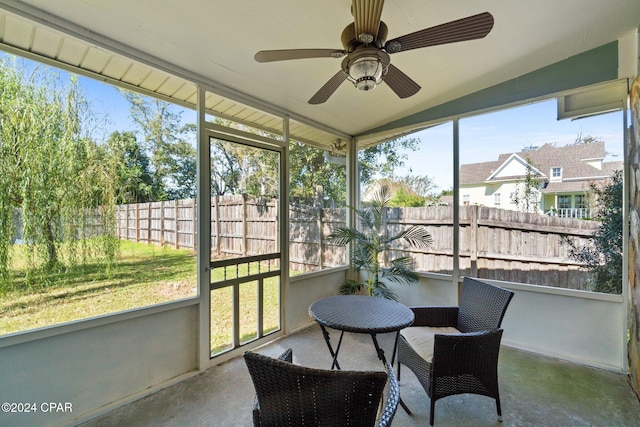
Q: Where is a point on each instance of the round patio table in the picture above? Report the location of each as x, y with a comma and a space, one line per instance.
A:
363, 315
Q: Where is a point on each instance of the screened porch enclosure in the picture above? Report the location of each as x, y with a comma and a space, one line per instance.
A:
103, 363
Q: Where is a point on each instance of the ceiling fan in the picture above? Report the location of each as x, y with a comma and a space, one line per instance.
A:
366, 50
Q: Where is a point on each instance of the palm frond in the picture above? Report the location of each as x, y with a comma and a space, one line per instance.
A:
350, 287
416, 235
367, 219
400, 271
402, 262
379, 202
380, 199
342, 236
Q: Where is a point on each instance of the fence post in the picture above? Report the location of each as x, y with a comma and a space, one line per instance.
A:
149, 223
119, 221
473, 239
277, 244
244, 224
217, 224
319, 225
194, 223
137, 222
161, 223
175, 222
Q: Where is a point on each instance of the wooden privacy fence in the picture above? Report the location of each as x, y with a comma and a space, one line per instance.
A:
494, 243
498, 244
308, 229
171, 223
240, 226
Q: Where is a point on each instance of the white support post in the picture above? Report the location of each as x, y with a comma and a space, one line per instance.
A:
204, 237
283, 245
353, 193
456, 202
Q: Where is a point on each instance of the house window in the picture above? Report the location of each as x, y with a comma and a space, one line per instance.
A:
564, 201
581, 201
496, 200
556, 172
466, 199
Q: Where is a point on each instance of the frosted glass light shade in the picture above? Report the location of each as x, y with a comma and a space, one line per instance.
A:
366, 72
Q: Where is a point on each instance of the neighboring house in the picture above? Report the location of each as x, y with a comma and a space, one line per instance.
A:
564, 173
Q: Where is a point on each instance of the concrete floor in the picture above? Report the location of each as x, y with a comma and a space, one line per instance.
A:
535, 391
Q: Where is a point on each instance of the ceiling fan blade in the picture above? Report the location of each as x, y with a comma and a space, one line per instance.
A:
469, 28
366, 17
400, 83
287, 54
329, 87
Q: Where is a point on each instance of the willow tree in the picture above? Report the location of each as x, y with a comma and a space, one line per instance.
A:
51, 174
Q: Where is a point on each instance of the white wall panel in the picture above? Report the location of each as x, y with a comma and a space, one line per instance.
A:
578, 326
95, 367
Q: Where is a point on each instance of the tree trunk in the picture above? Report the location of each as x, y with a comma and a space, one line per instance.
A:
51, 244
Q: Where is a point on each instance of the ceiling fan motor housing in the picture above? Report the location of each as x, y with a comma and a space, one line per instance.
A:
351, 41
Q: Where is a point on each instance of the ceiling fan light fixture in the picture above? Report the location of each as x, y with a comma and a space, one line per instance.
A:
366, 72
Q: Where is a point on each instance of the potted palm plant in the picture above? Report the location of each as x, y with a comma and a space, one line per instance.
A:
369, 245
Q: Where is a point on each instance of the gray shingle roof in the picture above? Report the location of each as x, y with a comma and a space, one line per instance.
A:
570, 158
477, 172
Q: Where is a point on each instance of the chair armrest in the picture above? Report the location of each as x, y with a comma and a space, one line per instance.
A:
392, 398
435, 316
287, 356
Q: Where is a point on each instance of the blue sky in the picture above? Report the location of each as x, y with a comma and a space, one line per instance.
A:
482, 137
107, 99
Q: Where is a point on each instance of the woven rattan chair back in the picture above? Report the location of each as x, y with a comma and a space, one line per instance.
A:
293, 395
482, 306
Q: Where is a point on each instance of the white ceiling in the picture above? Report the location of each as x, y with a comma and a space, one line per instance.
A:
217, 39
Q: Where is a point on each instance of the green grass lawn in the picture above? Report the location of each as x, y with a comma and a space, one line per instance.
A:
222, 322
143, 275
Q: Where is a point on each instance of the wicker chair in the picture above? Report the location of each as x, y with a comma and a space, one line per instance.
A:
454, 350
294, 395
